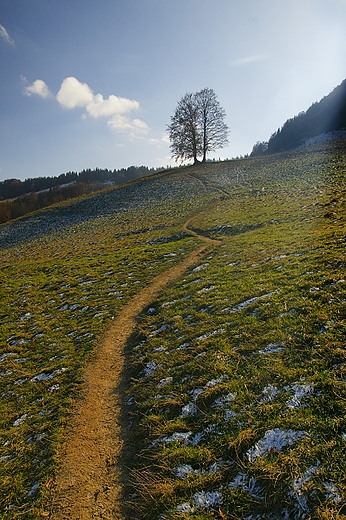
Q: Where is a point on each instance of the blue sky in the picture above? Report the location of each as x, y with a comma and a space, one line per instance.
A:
93, 83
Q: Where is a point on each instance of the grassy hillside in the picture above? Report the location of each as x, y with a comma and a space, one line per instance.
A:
234, 392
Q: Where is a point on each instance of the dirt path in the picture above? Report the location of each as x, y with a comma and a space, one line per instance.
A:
87, 483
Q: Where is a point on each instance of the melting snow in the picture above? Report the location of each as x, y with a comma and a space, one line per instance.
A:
244, 304
200, 267
269, 393
272, 348
215, 382
206, 289
206, 499
33, 489
274, 440
168, 304
229, 415
332, 492
165, 381
210, 335
220, 402
300, 391
188, 409
177, 436
185, 508
247, 484
150, 368
20, 420
301, 503
201, 500
185, 470
6, 355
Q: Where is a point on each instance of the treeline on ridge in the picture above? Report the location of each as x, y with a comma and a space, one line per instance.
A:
323, 117
18, 198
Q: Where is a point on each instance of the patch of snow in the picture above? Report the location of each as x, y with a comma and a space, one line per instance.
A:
215, 382
20, 420
200, 267
272, 348
33, 489
5, 458
196, 439
188, 409
244, 304
332, 492
185, 470
207, 499
274, 440
182, 437
247, 484
206, 289
210, 335
26, 316
164, 382
220, 402
269, 393
159, 349
36, 438
150, 368
300, 391
185, 508
229, 415
196, 392
42, 377
324, 138
6, 355
169, 304
300, 498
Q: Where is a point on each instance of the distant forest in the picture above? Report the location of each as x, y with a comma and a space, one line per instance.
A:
326, 116
17, 198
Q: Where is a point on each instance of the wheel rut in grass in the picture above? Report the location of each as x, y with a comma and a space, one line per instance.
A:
87, 483
211, 186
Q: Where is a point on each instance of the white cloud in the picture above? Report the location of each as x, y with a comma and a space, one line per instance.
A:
5, 36
165, 138
108, 107
73, 93
38, 87
248, 59
124, 124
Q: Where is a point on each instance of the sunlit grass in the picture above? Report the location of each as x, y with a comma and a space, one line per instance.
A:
239, 396
250, 341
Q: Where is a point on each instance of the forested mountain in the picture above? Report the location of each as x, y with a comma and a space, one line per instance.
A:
328, 115
12, 188
17, 198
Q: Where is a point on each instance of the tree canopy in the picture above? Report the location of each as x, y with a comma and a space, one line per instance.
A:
197, 126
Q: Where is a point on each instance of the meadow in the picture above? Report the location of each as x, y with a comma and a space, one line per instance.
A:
234, 385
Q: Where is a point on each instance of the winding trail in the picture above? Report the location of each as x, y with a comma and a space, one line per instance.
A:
87, 483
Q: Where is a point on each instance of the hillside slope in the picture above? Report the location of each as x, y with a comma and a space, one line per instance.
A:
232, 393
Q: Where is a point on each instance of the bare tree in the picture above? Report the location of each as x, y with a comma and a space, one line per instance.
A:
197, 126
211, 122
183, 130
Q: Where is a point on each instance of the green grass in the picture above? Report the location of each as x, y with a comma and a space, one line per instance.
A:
261, 330
251, 341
